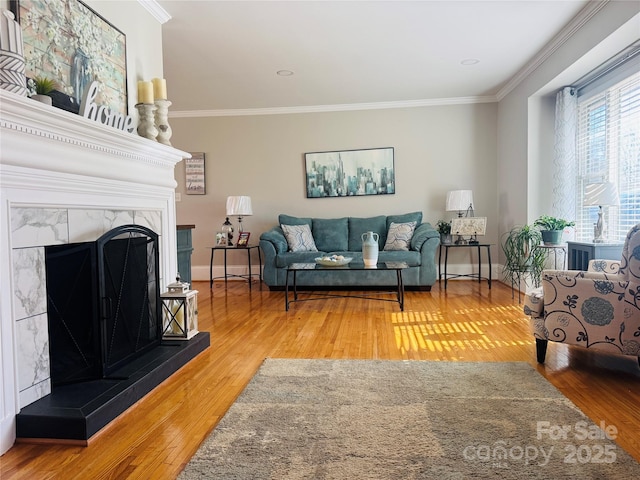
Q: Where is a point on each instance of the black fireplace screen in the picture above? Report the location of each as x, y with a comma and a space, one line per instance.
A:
103, 303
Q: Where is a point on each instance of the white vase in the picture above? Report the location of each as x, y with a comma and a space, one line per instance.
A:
370, 249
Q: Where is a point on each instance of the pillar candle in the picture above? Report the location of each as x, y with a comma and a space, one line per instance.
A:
159, 89
145, 92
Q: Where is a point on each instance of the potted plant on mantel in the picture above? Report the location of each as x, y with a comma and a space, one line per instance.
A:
552, 228
444, 228
40, 88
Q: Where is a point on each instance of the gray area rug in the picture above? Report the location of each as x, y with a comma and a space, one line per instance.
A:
362, 419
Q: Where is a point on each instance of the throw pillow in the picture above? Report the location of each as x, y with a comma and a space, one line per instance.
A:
399, 236
299, 238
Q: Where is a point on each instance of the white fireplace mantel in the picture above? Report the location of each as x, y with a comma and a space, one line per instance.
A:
97, 176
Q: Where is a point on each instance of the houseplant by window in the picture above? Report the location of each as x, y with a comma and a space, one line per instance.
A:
522, 256
552, 228
444, 228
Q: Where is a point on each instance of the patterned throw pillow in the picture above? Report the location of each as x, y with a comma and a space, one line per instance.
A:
399, 236
299, 238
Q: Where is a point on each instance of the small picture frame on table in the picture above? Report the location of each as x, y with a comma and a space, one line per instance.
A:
243, 239
222, 240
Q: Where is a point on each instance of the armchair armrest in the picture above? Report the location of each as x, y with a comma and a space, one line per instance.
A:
591, 309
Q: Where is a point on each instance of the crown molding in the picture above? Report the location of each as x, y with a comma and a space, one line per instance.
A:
332, 108
154, 8
586, 14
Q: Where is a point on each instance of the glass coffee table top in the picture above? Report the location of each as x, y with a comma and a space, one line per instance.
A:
349, 266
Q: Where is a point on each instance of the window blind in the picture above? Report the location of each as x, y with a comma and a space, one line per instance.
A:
608, 150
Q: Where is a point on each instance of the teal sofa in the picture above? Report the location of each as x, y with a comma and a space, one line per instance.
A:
343, 236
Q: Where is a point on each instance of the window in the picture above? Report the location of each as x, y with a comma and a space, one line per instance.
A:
608, 150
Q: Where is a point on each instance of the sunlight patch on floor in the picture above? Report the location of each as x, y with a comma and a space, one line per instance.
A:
426, 331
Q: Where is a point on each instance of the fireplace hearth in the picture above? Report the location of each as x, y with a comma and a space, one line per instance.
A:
74, 412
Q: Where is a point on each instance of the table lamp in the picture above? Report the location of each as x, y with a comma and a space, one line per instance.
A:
460, 201
239, 206
600, 194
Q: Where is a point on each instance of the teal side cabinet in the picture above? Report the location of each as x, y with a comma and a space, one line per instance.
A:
185, 247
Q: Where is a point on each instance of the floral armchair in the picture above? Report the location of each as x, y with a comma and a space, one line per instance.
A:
597, 309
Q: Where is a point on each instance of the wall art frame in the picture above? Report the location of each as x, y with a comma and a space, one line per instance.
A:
350, 173
194, 172
72, 44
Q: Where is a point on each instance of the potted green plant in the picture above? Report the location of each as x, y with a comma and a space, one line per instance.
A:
552, 228
522, 256
444, 228
41, 87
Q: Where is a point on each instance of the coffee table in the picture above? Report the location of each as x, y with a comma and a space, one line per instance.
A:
294, 268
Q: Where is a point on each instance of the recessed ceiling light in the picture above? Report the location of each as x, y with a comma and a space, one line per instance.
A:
469, 61
284, 73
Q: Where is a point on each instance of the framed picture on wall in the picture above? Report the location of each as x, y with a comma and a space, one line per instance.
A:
194, 174
350, 173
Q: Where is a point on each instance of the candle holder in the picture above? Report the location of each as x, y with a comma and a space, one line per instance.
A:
146, 124
162, 121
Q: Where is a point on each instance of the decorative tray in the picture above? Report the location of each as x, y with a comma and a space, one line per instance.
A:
333, 261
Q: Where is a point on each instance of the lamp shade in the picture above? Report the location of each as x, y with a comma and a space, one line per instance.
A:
240, 205
601, 194
459, 200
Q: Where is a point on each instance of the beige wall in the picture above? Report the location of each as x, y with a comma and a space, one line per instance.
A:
437, 149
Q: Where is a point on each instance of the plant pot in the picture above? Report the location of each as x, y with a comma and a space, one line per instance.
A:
43, 98
445, 238
552, 237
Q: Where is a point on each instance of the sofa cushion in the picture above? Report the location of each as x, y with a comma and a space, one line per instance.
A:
289, 220
299, 238
331, 233
358, 226
399, 236
412, 258
407, 217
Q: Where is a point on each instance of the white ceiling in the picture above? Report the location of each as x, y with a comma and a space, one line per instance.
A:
222, 56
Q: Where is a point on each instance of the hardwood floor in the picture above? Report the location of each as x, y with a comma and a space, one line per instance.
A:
467, 322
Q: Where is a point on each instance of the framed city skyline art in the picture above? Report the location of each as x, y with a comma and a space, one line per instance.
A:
350, 173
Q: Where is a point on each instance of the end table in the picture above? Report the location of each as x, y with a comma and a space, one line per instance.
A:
248, 276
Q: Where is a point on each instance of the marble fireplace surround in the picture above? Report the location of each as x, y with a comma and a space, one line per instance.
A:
65, 179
